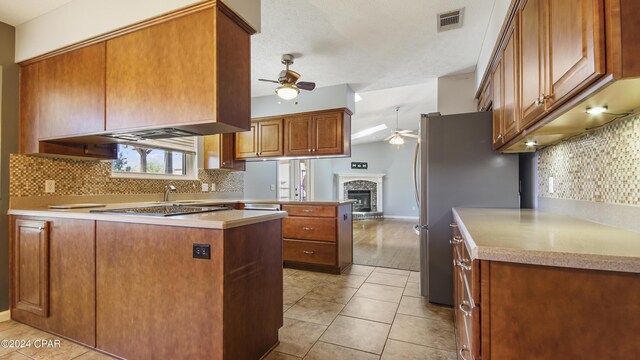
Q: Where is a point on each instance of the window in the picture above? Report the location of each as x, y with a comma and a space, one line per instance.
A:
157, 159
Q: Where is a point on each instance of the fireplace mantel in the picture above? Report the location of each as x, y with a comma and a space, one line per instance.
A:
346, 177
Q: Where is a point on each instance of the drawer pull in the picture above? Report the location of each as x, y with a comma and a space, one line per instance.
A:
455, 241
307, 210
462, 352
307, 228
308, 252
453, 225
465, 308
463, 266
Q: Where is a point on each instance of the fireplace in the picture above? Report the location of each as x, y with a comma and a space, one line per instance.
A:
362, 198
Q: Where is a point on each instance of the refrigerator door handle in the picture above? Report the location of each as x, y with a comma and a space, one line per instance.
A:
415, 174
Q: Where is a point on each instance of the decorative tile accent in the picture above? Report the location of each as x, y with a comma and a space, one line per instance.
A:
363, 185
602, 166
93, 177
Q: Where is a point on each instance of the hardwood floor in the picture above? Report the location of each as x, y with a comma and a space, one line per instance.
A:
386, 243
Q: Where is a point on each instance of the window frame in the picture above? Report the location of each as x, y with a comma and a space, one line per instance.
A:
191, 166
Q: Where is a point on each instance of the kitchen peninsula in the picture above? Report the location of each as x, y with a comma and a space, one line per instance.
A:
182, 286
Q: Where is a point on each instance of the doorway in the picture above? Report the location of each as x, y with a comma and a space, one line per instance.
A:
294, 180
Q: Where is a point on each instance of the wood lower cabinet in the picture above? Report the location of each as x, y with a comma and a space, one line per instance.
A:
318, 237
53, 276
151, 289
219, 151
520, 311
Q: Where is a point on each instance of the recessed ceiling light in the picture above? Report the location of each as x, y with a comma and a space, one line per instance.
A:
597, 110
368, 131
531, 143
357, 96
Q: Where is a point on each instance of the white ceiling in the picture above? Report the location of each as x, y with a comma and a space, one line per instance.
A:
15, 12
378, 47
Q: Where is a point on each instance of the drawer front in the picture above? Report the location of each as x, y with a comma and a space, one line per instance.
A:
310, 210
309, 228
311, 252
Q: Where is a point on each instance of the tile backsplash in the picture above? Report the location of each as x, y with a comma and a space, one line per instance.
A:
93, 177
602, 166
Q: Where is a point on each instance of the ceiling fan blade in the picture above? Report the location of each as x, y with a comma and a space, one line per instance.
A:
404, 131
413, 136
273, 81
389, 137
304, 85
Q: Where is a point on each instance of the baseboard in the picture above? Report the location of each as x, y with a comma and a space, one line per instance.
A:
401, 217
5, 315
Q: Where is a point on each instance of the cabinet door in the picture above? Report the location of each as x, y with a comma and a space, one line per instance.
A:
31, 267
29, 109
298, 135
532, 61
327, 134
70, 255
247, 143
140, 91
496, 81
510, 85
219, 153
71, 95
576, 46
270, 138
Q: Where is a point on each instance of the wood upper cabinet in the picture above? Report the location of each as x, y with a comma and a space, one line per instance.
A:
327, 134
218, 153
53, 270
270, 138
29, 105
193, 69
532, 61
576, 46
263, 140
498, 107
298, 139
71, 95
510, 83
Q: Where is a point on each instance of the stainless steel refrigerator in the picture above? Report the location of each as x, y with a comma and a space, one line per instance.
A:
456, 167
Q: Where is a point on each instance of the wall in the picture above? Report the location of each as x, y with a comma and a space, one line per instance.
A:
330, 97
92, 177
596, 175
8, 144
259, 177
456, 94
498, 16
83, 19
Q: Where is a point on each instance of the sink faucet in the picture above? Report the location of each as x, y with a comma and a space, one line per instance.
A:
168, 189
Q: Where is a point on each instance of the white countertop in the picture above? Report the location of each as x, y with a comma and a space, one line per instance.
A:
210, 220
542, 238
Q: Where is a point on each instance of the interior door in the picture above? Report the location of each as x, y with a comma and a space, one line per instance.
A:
576, 46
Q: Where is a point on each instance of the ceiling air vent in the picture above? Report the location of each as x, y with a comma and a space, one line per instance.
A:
450, 20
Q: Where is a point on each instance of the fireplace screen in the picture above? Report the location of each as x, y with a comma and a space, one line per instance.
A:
363, 200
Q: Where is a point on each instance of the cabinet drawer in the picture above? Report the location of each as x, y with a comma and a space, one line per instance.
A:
311, 252
309, 228
310, 210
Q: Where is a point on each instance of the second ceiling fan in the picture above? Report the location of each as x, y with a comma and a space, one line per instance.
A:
288, 79
396, 137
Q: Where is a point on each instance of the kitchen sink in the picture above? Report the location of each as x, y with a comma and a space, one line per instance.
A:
163, 210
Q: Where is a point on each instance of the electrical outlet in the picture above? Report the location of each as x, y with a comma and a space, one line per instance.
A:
272, 187
202, 251
49, 186
551, 185
205, 187
213, 186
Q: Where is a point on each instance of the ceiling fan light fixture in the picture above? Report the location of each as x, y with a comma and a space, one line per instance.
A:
396, 140
287, 91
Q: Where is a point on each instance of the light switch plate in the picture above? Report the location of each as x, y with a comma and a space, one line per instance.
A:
205, 187
49, 186
551, 185
213, 186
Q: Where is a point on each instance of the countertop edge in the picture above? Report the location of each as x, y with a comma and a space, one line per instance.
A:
149, 220
546, 258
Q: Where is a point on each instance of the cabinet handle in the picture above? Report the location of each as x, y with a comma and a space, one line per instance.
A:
307, 228
308, 252
314, 150
500, 136
455, 241
307, 211
453, 225
466, 308
257, 154
224, 163
462, 351
309, 150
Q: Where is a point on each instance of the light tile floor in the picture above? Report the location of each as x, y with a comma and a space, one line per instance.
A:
366, 314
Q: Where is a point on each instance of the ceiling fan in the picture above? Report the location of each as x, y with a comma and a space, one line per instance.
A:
288, 79
396, 137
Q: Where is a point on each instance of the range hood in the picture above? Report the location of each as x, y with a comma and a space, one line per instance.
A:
163, 133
